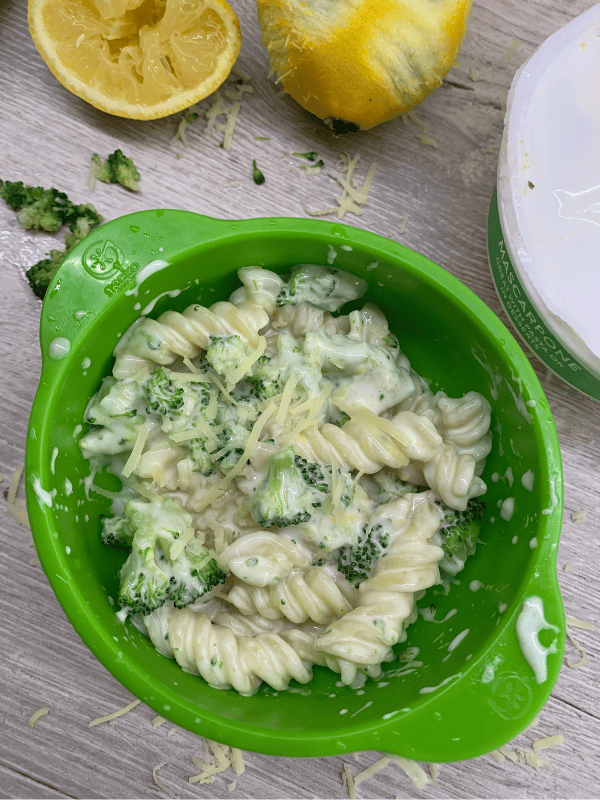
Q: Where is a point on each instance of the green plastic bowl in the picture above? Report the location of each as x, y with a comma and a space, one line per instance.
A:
467, 693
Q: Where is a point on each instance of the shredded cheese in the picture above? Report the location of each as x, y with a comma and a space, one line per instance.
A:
18, 511
220, 754
159, 783
497, 756
368, 417
579, 516
548, 741
286, 398
237, 761
136, 453
178, 546
512, 756
412, 116
426, 140
11, 492
349, 783
511, 51
583, 660
228, 129
114, 714
434, 771
318, 213
418, 777
372, 770
192, 368
41, 712
572, 622
158, 721
245, 365
251, 443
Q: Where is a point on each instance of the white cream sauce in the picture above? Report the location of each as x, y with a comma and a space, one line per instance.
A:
59, 348
530, 622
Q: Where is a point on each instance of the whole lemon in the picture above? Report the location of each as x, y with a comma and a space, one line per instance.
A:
361, 61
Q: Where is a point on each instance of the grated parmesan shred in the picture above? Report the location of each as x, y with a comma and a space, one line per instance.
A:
548, 741
159, 783
415, 772
18, 511
224, 756
158, 721
136, 453
511, 51
11, 492
573, 622
114, 714
580, 516
41, 712
372, 770
348, 781
583, 660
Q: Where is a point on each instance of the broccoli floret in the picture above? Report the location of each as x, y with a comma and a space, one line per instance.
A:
385, 486
460, 533
182, 406
224, 354
113, 412
87, 219
162, 395
313, 474
40, 275
117, 531
356, 563
48, 210
325, 288
116, 169
232, 441
149, 577
291, 491
265, 378
38, 208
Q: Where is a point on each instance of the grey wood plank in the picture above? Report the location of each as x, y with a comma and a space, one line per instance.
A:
445, 193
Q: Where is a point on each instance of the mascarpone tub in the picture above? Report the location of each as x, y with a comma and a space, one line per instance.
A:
544, 223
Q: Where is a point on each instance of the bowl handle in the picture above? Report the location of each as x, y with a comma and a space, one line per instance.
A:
484, 708
113, 259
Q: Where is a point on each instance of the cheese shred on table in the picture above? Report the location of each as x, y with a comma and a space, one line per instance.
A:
114, 714
159, 783
41, 712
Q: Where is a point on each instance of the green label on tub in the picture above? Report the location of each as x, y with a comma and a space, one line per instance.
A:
526, 319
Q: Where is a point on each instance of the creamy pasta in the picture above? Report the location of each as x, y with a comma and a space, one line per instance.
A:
290, 485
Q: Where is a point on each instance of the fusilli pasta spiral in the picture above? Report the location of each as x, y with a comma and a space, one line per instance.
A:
161, 341
365, 635
262, 558
310, 594
362, 446
225, 660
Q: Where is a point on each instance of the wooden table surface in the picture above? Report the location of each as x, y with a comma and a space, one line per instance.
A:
439, 196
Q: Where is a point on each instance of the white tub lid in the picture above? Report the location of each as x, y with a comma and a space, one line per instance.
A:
549, 182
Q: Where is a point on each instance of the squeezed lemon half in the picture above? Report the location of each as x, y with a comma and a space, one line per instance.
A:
362, 61
141, 59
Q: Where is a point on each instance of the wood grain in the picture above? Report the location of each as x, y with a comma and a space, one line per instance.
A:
46, 138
